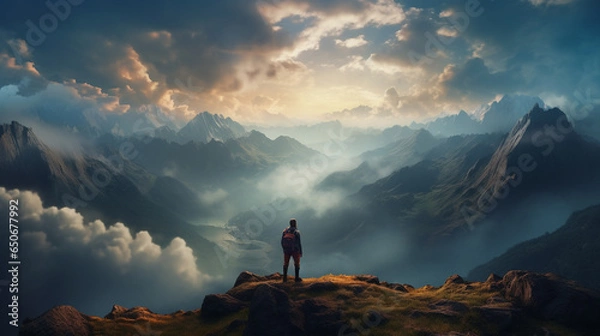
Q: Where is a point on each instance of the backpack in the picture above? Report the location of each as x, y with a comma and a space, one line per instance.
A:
288, 241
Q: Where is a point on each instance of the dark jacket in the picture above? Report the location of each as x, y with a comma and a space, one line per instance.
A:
298, 247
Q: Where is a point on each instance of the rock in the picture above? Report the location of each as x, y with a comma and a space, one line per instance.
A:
242, 294
271, 314
219, 305
321, 317
492, 278
368, 279
133, 313
454, 279
60, 320
549, 297
408, 287
246, 276
115, 312
395, 286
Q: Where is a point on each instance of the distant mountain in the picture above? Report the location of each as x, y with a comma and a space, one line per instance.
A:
502, 115
572, 251
359, 141
542, 153
314, 136
456, 124
139, 122
468, 181
257, 148
114, 191
338, 140
382, 161
206, 126
496, 117
26, 162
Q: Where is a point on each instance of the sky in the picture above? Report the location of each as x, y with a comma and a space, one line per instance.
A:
367, 61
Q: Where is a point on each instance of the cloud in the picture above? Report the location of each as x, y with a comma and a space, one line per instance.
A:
392, 97
353, 42
102, 265
476, 81
331, 18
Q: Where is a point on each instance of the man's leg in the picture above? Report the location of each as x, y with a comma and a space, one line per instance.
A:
286, 263
297, 266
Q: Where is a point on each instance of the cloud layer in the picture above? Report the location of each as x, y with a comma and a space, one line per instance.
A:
303, 58
92, 266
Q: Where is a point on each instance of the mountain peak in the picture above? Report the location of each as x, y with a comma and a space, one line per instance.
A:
501, 116
206, 126
15, 138
538, 118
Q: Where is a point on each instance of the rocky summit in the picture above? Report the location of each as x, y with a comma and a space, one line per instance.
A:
519, 303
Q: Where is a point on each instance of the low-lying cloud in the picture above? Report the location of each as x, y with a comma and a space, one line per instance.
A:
92, 266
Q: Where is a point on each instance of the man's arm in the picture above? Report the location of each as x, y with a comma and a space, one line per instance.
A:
299, 242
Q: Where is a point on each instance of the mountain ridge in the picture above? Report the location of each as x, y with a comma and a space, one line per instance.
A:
519, 303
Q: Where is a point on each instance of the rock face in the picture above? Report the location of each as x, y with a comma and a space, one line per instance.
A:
219, 305
271, 313
133, 313
60, 320
549, 297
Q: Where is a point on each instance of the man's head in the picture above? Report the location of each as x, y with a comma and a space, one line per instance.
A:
293, 222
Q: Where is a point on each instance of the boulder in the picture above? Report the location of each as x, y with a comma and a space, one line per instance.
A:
60, 320
549, 297
321, 317
219, 305
454, 279
492, 278
132, 313
368, 278
115, 312
271, 313
246, 276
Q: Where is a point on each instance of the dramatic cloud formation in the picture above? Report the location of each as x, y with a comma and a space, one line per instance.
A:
300, 59
93, 266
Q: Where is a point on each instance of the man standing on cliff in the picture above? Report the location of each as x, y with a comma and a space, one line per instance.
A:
292, 247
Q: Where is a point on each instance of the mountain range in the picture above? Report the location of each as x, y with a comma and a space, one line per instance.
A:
495, 117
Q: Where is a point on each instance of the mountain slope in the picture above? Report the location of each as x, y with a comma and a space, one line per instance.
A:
206, 126
457, 124
343, 305
501, 116
96, 188
381, 162
572, 251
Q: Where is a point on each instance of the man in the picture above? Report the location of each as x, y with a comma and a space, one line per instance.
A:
292, 247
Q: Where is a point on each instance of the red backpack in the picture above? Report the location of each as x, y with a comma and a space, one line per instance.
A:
288, 241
